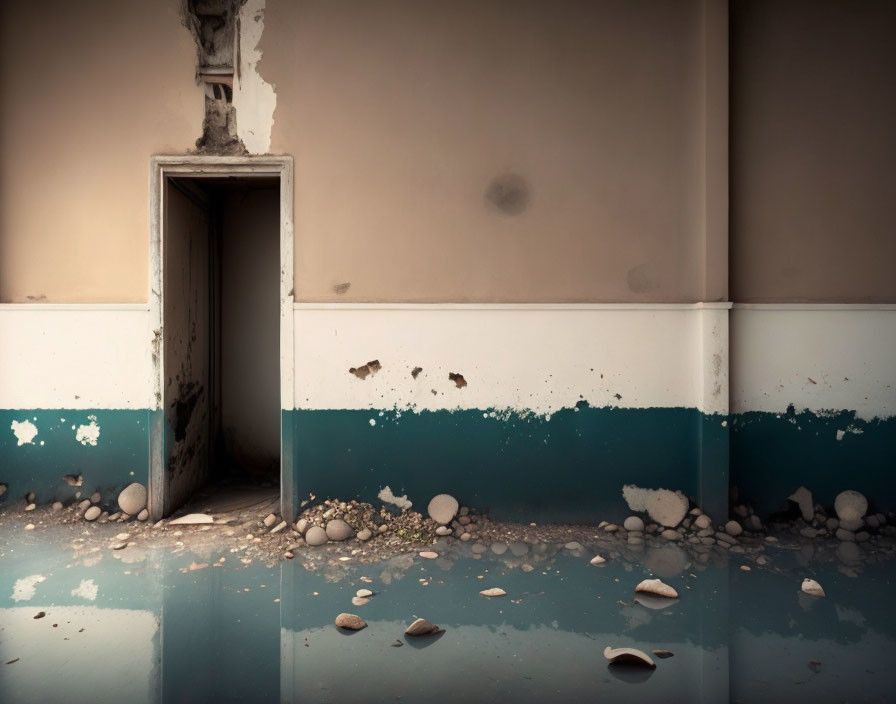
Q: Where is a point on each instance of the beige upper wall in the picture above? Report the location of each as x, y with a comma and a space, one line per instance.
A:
401, 113
88, 91
813, 143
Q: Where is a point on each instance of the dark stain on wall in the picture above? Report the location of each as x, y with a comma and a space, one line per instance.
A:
342, 288
188, 394
415, 372
509, 194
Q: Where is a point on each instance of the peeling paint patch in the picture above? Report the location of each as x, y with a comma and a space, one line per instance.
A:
25, 432
87, 589
366, 370
458, 379
386, 496
253, 97
88, 434
24, 588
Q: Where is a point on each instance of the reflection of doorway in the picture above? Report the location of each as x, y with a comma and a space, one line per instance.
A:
222, 279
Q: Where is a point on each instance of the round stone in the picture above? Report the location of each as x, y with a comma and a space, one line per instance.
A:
270, 520
92, 513
702, 522
443, 508
364, 535
337, 529
132, 498
633, 523
315, 536
850, 505
733, 528
143, 515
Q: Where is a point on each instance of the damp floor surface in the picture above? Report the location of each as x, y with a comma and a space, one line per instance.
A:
169, 625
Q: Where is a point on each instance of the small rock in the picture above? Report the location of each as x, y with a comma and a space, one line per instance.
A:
115, 516
350, 622
628, 655
663, 654
598, 560
39, 614
494, 591
744, 568
702, 522
84, 505
657, 587
95, 497
57, 506
360, 600
73, 479
132, 498
280, 526
29, 526
92, 513
847, 535
270, 520
30, 497
465, 537
862, 536
143, 515
633, 523
850, 505
429, 554
30, 507
670, 534
574, 545
726, 538
443, 508
499, 548
302, 525
733, 528
852, 524
119, 546
810, 586
364, 535
752, 523
479, 549
288, 555
518, 548
316, 536
443, 530
421, 627
808, 532
802, 497
363, 593
526, 567
339, 530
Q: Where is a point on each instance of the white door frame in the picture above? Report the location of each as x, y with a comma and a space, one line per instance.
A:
162, 167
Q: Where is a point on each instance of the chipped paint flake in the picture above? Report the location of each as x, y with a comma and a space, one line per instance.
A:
253, 97
24, 588
87, 589
88, 434
388, 497
25, 431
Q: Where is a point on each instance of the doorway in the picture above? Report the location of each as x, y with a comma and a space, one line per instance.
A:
222, 305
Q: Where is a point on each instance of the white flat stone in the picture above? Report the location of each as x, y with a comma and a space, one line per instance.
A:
421, 627
429, 554
628, 655
192, 519
657, 587
598, 560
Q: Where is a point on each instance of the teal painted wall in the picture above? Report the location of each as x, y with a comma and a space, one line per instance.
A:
570, 468
121, 455
773, 454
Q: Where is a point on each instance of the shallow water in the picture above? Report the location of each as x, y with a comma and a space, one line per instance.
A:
161, 626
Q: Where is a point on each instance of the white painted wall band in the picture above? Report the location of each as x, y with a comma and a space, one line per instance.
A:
81, 356
821, 358
518, 358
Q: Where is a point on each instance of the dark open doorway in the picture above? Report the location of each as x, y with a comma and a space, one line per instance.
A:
220, 274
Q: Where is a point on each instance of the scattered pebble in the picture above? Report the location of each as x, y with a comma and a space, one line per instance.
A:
598, 560
315, 536
628, 655
663, 653
657, 587
92, 513
810, 586
429, 554
494, 591
422, 627
350, 622
270, 520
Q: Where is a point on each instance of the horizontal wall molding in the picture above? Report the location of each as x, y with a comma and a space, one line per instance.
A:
815, 306
433, 307
48, 307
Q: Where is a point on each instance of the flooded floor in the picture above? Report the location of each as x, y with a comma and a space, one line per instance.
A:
82, 622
